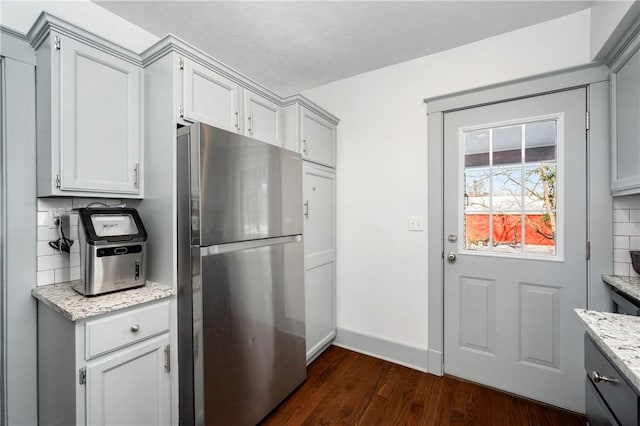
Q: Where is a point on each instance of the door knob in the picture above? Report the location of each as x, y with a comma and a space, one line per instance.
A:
451, 257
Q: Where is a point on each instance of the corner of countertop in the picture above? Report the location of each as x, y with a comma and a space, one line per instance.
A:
63, 299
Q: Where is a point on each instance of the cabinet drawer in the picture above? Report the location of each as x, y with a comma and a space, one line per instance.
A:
618, 395
115, 331
620, 305
596, 409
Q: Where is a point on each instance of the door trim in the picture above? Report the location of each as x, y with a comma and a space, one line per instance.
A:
596, 81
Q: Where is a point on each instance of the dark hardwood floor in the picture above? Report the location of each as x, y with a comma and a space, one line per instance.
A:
348, 388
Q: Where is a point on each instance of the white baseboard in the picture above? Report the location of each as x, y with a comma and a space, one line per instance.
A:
384, 349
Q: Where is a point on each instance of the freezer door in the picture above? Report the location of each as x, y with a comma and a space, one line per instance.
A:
248, 330
247, 189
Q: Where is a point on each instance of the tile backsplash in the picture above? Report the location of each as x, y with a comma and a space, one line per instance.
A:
626, 232
55, 266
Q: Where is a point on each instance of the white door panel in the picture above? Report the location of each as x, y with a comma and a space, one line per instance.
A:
130, 387
100, 120
263, 118
319, 257
318, 139
515, 199
320, 314
319, 206
210, 98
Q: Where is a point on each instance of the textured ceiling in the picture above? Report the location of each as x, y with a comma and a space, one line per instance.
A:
293, 46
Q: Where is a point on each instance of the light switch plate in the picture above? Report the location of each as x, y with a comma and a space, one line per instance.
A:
416, 223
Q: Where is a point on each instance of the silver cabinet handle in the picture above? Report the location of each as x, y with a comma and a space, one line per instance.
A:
136, 175
250, 125
598, 378
237, 113
306, 209
135, 328
304, 144
451, 257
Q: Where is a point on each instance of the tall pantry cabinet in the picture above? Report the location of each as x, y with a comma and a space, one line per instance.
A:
314, 135
203, 89
319, 188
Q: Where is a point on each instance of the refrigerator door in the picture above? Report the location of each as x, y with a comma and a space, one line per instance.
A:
245, 189
248, 329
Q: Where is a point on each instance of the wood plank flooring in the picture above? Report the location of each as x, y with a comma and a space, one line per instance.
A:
348, 388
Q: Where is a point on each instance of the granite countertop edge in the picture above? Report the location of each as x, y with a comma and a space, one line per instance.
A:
63, 299
625, 284
618, 336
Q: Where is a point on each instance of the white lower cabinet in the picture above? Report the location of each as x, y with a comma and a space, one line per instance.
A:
319, 257
113, 369
130, 387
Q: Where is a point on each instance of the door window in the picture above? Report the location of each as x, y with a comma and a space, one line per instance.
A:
511, 188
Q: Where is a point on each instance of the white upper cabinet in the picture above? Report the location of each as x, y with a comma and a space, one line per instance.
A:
262, 118
317, 138
625, 126
89, 112
209, 97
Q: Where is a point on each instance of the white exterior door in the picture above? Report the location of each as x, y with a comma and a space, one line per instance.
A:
319, 257
515, 246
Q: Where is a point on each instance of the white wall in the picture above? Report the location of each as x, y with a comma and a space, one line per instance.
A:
609, 21
626, 233
20, 16
382, 158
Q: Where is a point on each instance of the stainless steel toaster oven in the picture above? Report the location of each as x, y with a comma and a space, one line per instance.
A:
112, 250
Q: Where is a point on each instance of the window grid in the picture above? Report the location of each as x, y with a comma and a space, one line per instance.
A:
524, 212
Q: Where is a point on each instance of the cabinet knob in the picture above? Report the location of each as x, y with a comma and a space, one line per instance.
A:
135, 328
599, 378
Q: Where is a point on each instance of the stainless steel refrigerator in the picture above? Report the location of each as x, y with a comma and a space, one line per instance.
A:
240, 276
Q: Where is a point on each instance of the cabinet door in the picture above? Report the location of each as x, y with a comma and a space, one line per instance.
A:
100, 116
625, 139
210, 98
130, 387
262, 118
319, 247
318, 139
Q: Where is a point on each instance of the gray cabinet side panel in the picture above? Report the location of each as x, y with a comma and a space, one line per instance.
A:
158, 209
19, 146
56, 368
44, 128
600, 206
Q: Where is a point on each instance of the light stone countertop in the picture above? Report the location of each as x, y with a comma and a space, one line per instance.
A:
72, 305
626, 285
618, 336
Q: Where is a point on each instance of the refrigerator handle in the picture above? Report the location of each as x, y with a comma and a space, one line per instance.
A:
306, 209
247, 245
